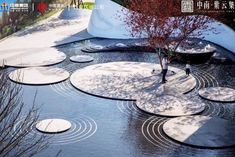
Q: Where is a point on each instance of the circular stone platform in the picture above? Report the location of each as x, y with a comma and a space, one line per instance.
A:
129, 80
39, 75
81, 58
201, 131
53, 126
33, 57
220, 94
169, 105
135, 81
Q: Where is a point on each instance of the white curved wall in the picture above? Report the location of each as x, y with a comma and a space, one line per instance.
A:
105, 23
223, 36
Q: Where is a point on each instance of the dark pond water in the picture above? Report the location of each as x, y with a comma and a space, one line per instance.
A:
104, 127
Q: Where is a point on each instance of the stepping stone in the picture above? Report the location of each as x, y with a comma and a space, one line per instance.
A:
39, 75
33, 57
93, 49
53, 126
169, 105
97, 47
129, 80
220, 94
201, 131
120, 45
81, 59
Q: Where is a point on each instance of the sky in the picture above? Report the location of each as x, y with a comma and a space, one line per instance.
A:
6, 1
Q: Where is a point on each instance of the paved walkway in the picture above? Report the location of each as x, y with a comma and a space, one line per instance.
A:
47, 33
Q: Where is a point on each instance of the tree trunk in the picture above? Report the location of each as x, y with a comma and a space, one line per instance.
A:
159, 56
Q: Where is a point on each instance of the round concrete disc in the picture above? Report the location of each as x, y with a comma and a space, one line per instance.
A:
98, 47
169, 105
39, 75
120, 45
129, 80
53, 126
81, 58
220, 94
201, 131
33, 57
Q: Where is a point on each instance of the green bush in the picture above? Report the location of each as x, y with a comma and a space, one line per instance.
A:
7, 30
88, 5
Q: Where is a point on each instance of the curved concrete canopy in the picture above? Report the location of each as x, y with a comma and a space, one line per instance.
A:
105, 21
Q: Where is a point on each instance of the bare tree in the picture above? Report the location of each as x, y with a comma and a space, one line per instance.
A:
16, 124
